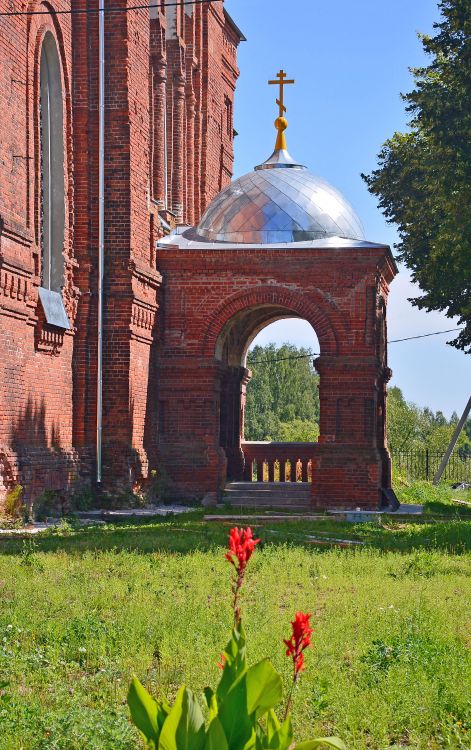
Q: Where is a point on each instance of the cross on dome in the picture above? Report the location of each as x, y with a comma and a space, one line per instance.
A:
280, 202
281, 123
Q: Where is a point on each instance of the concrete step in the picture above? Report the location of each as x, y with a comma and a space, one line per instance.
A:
267, 502
274, 493
261, 495
278, 495
279, 507
265, 487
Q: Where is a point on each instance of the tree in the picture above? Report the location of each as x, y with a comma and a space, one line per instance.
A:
282, 396
411, 428
424, 177
299, 431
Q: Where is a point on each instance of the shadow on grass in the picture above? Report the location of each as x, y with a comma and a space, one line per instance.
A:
189, 532
447, 509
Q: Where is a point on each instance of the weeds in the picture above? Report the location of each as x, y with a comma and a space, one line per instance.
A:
14, 506
29, 558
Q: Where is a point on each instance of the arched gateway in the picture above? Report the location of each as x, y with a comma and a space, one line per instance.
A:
277, 243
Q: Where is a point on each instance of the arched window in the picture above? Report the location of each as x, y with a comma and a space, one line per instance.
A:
52, 166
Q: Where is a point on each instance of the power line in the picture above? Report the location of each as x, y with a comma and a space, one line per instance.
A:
424, 335
76, 11
284, 359
317, 354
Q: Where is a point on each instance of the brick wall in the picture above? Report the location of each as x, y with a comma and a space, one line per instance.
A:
156, 63
36, 402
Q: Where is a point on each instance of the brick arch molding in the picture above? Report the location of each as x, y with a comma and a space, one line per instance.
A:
322, 314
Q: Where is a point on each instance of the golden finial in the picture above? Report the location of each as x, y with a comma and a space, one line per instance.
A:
281, 123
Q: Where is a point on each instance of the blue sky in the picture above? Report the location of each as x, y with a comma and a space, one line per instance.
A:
350, 61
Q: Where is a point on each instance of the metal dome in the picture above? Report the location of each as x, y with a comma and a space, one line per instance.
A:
281, 201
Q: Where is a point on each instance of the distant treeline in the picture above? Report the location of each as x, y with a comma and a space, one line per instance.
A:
283, 404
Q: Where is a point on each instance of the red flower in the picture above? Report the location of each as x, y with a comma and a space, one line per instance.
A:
300, 639
241, 546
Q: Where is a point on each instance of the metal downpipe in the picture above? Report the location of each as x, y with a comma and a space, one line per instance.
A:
101, 231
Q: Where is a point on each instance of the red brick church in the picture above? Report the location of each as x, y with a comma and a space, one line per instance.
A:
110, 372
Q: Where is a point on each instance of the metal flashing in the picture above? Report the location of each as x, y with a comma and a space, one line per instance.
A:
54, 310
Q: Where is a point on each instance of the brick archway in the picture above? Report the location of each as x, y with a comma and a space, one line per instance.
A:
215, 299
279, 302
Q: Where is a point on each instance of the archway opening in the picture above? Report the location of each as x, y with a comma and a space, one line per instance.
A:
269, 397
282, 402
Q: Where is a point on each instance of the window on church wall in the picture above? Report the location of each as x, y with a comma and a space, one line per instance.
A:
51, 142
228, 116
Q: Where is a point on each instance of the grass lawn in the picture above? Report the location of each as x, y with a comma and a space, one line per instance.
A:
80, 611
435, 499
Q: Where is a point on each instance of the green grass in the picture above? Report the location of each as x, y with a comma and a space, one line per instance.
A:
80, 611
436, 500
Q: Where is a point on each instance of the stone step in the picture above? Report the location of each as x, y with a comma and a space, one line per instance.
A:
273, 506
267, 499
261, 495
277, 495
291, 487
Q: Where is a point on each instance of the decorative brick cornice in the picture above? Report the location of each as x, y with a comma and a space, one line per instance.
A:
15, 290
143, 321
48, 339
149, 276
146, 282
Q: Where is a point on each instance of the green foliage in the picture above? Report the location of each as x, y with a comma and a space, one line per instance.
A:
29, 559
436, 499
241, 711
14, 506
424, 177
157, 486
282, 396
298, 431
46, 505
81, 498
413, 428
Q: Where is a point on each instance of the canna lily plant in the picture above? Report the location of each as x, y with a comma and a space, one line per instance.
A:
241, 711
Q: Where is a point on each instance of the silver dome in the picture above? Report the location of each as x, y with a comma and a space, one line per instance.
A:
281, 201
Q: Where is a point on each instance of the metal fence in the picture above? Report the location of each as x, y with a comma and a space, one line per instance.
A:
424, 465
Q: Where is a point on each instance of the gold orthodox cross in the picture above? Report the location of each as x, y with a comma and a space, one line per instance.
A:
281, 82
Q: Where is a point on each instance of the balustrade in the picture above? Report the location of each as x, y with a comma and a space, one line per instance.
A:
278, 462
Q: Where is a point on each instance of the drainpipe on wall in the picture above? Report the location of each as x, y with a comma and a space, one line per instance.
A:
101, 229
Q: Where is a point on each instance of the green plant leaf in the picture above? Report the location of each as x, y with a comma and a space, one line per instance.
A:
183, 728
215, 737
334, 742
264, 688
279, 737
211, 702
238, 725
235, 661
251, 742
145, 711
272, 723
261, 741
